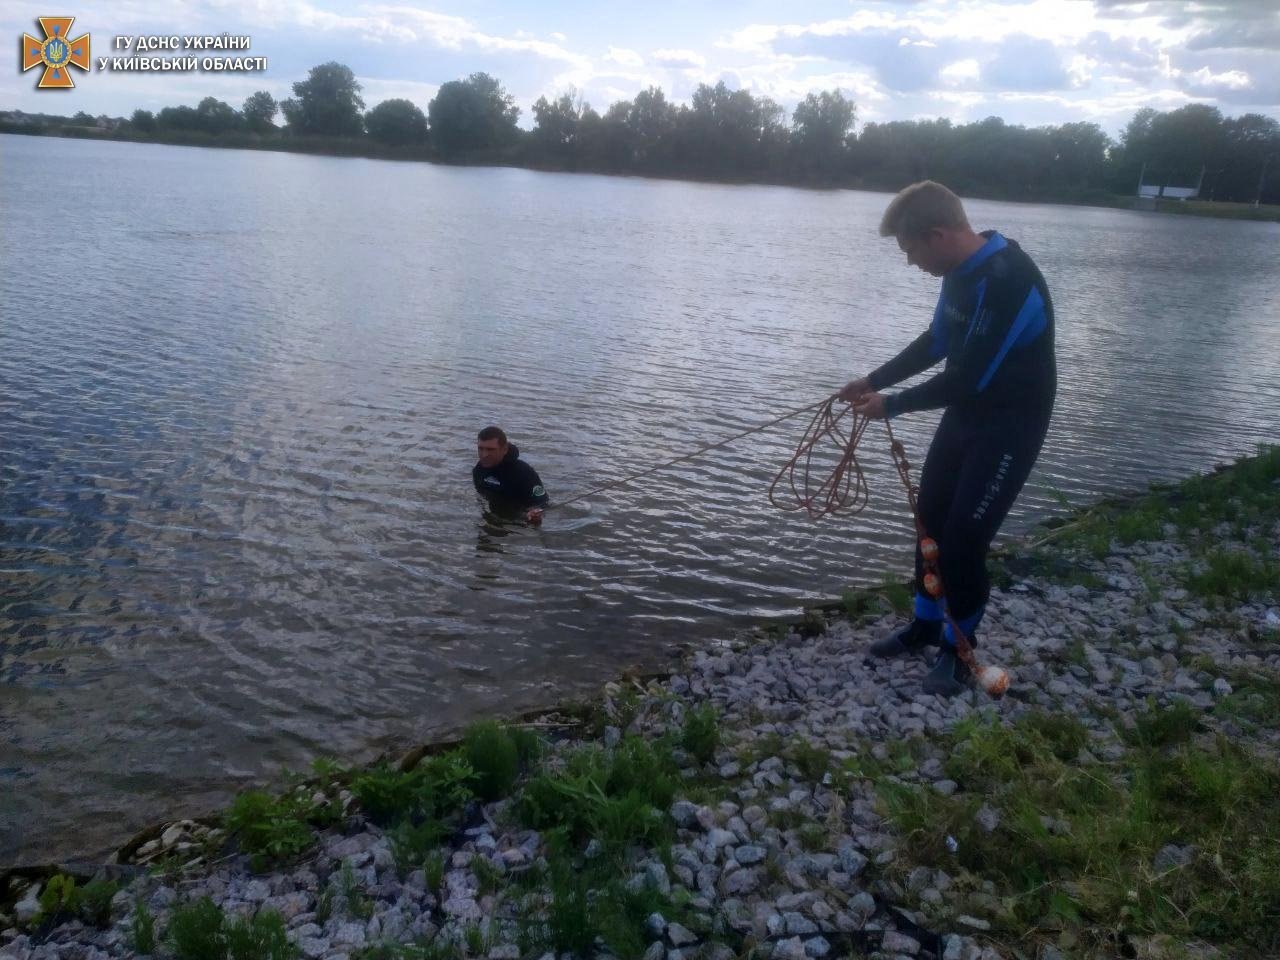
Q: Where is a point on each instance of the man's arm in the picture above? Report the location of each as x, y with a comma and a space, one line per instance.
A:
921, 354
532, 492
1003, 319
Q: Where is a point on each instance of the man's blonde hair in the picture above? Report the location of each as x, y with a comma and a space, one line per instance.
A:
921, 207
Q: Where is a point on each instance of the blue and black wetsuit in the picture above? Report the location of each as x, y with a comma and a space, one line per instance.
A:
994, 327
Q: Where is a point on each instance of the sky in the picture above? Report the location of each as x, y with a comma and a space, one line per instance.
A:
1031, 62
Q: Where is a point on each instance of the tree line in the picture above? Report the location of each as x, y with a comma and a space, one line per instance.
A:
725, 134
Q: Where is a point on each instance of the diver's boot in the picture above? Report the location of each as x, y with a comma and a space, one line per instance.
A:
914, 637
950, 675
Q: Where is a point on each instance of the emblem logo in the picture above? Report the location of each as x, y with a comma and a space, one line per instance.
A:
56, 52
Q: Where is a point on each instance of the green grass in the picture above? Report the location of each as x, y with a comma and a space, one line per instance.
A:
436, 789
412, 844
488, 875
195, 931
1242, 494
1090, 870
578, 903
435, 948
618, 797
271, 829
895, 596
358, 903
700, 733
200, 931
494, 758
142, 929
1254, 701
433, 871
813, 762
474, 939
1235, 575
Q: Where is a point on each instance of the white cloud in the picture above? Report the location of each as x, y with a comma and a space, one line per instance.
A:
623, 57
960, 73
678, 58
1230, 80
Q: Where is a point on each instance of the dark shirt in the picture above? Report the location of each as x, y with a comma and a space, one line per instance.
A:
512, 481
994, 327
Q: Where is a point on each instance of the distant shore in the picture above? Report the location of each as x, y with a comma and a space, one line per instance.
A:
363, 148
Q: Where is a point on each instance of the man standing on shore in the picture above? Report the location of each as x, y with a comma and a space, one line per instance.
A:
993, 325
504, 479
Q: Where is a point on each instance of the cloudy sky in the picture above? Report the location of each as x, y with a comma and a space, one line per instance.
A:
1036, 62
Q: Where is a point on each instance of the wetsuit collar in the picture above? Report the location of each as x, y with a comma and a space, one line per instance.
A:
994, 244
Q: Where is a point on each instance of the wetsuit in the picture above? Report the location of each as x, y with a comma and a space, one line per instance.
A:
994, 327
511, 483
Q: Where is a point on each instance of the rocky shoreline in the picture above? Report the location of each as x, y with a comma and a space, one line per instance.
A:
822, 806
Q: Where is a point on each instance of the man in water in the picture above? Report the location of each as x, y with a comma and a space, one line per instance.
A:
504, 479
994, 327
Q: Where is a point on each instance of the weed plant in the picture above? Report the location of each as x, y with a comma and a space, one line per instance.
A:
618, 797
142, 929
433, 871
494, 758
271, 829
62, 899
700, 734
200, 931
488, 874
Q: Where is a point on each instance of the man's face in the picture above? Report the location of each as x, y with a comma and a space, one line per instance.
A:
490, 452
924, 250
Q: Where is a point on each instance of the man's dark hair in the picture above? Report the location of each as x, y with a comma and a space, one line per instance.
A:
493, 433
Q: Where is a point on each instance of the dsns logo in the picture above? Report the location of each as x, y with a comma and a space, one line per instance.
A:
56, 52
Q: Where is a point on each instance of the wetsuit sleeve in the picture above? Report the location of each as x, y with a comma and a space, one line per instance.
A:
532, 491
1006, 315
920, 354
475, 479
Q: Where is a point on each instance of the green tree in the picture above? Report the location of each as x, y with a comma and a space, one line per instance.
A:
821, 125
144, 121
259, 112
214, 116
1252, 152
555, 125
396, 122
178, 118
83, 119
327, 103
1079, 154
472, 114
729, 132
651, 123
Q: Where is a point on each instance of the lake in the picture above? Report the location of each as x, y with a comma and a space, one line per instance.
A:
238, 415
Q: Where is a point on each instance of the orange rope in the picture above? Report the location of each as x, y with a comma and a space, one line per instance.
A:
929, 552
845, 488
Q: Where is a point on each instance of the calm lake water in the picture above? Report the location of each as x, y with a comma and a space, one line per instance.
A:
238, 399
